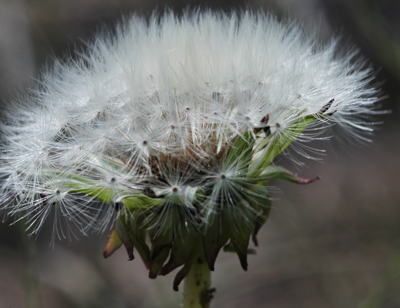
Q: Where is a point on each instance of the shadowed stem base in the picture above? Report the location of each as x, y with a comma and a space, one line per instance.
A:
196, 290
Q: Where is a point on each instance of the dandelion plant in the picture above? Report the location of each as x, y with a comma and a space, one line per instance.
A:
165, 133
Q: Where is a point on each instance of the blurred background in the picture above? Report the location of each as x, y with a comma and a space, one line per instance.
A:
334, 243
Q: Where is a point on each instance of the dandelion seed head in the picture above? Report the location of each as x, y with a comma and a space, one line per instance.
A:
173, 124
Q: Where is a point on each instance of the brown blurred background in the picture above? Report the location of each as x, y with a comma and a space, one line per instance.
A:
334, 243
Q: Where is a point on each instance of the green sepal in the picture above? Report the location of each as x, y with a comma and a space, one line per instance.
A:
159, 240
240, 242
132, 199
240, 154
113, 243
280, 173
275, 144
257, 203
161, 244
261, 218
138, 236
241, 233
158, 260
101, 194
182, 273
137, 200
281, 142
125, 236
196, 256
215, 237
183, 248
230, 248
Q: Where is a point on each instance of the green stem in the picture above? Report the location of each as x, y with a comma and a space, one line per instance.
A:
196, 290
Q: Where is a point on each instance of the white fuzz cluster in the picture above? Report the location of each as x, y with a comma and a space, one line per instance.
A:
178, 117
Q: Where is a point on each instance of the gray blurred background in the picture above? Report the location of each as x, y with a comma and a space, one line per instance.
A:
334, 243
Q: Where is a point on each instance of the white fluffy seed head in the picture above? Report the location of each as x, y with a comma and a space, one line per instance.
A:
161, 102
